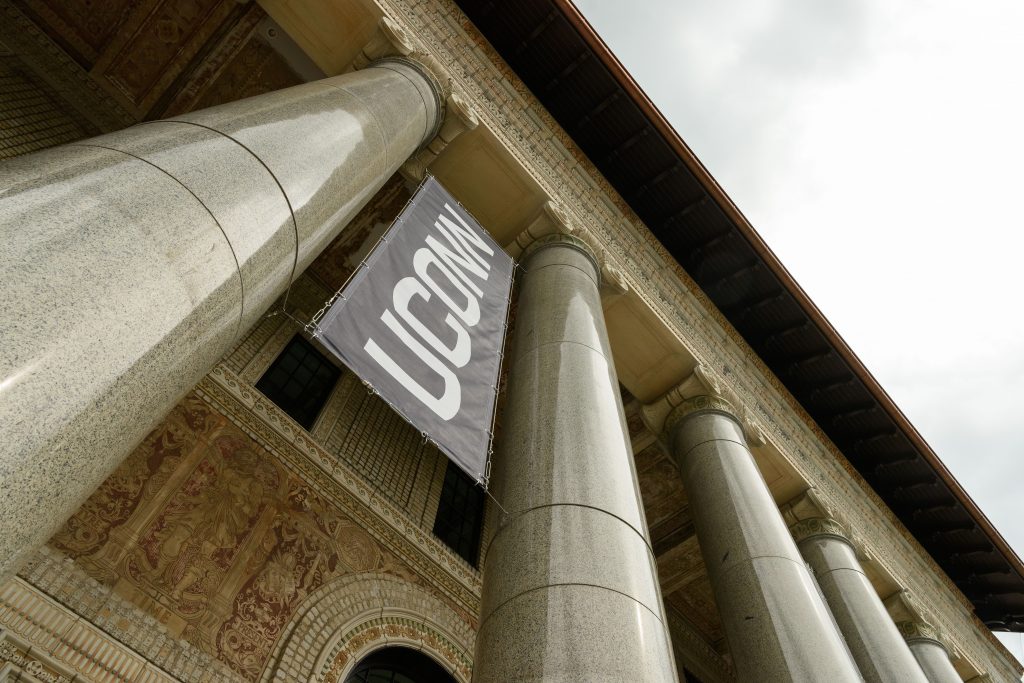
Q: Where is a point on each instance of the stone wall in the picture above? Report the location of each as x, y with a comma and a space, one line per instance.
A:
219, 544
230, 527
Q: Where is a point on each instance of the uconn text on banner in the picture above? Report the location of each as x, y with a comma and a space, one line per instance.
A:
424, 321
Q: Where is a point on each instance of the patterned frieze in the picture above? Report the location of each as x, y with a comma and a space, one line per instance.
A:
19, 661
389, 525
343, 620
528, 133
217, 544
64, 75
394, 630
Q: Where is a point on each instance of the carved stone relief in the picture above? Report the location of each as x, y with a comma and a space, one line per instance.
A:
210, 533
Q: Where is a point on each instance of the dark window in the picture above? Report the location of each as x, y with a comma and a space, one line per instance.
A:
460, 514
299, 381
398, 665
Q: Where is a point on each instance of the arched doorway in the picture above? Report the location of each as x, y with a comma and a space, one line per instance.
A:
398, 665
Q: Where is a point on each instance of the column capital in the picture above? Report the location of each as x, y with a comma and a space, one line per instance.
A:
919, 630
699, 404
434, 90
809, 504
558, 239
458, 117
819, 526
392, 44
551, 218
388, 40
702, 390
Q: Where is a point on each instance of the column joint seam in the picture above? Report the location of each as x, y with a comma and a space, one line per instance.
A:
707, 441
231, 247
522, 513
287, 201
564, 265
554, 585
376, 122
799, 563
426, 106
842, 569
561, 341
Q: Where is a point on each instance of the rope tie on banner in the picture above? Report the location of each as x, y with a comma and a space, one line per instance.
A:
289, 316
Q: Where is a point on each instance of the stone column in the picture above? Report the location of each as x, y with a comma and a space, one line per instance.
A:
878, 648
777, 625
131, 263
929, 651
570, 588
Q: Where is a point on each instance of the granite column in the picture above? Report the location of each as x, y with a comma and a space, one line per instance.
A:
878, 648
133, 261
930, 653
777, 625
570, 587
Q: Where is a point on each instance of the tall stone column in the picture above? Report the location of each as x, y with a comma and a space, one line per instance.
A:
929, 651
130, 263
878, 648
777, 625
570, 588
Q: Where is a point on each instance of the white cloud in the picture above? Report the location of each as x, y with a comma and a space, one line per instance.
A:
878, 147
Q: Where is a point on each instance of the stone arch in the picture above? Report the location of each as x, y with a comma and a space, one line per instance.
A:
350, 617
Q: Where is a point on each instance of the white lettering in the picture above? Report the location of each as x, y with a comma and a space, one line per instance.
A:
462, 258
464, 233
458, 257
421, 260
404, 291
447, 405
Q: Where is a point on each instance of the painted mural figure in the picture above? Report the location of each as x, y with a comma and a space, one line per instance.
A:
194, 541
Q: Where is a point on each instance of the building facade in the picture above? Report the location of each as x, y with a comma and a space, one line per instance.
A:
693, 479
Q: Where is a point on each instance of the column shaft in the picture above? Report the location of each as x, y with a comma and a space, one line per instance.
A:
931, 654
131, 262
777, 625
934, 661
878, 648
570, 588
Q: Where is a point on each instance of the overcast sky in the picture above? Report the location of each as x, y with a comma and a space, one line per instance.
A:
877, 146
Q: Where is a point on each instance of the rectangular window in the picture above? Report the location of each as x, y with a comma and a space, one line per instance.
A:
460, 514
299, 381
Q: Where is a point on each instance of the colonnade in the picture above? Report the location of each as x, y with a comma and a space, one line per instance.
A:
570, 590
150, 251
794, 602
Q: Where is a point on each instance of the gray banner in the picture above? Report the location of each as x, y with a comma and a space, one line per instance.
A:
423, 323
